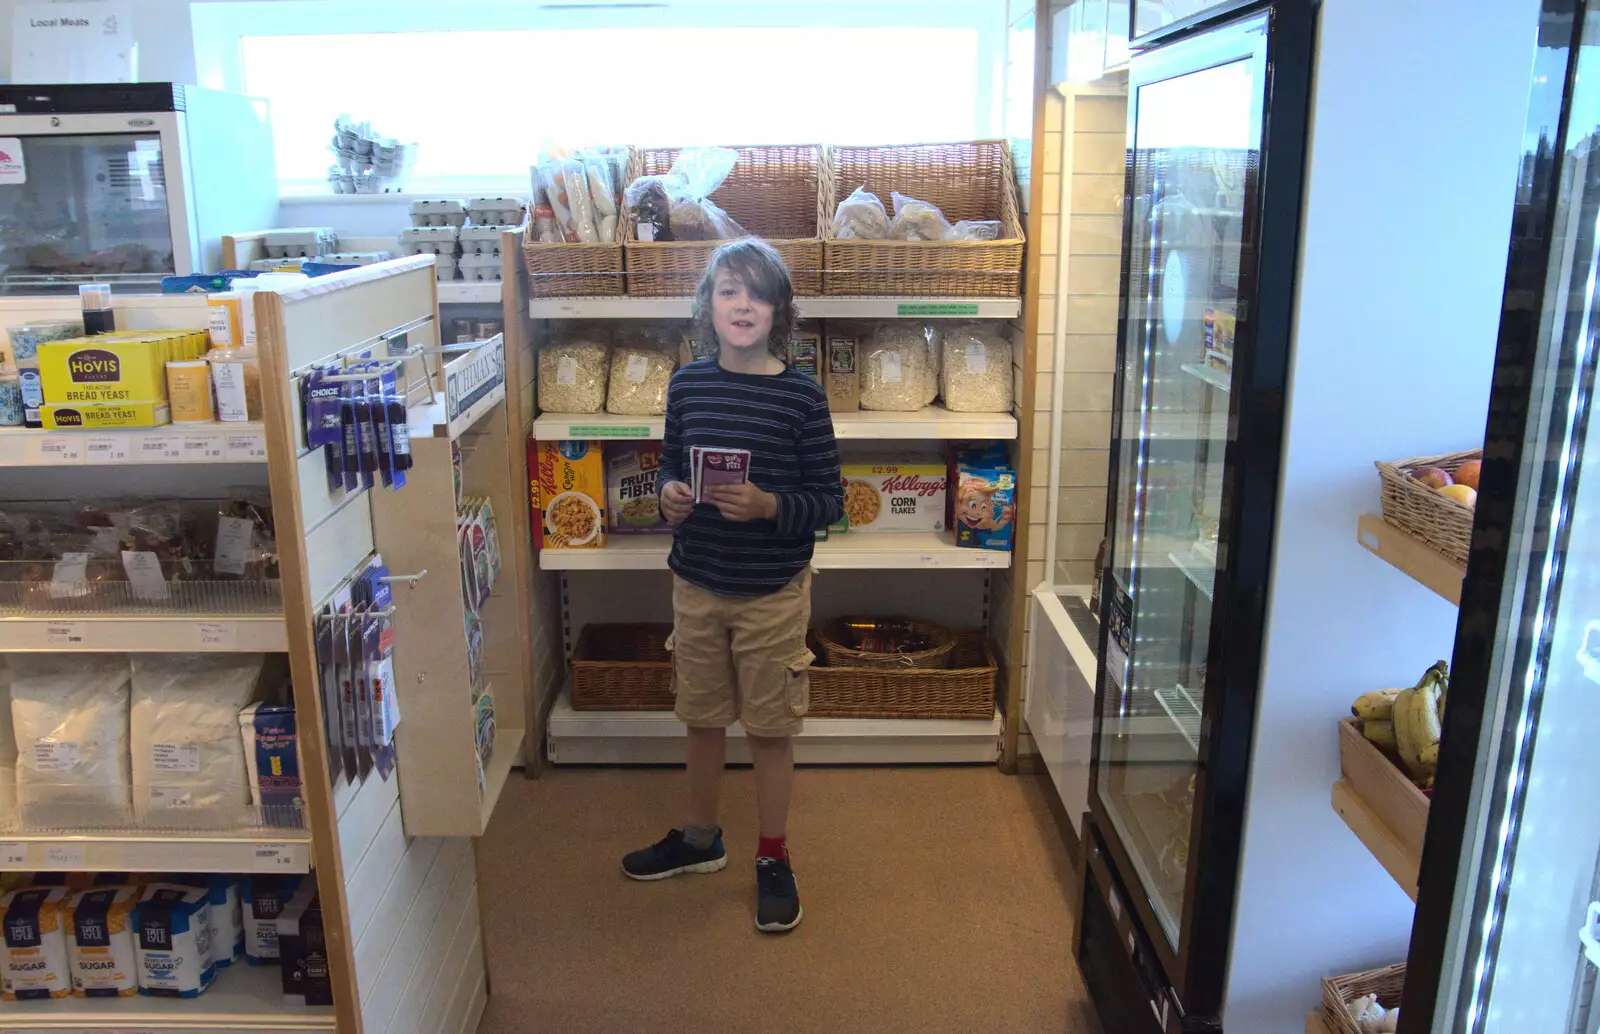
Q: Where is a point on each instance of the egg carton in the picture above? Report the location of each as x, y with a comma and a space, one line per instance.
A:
430, 240
496, 211
438, 213
480, 267
444, 267
354, 258
300, 242
482, 240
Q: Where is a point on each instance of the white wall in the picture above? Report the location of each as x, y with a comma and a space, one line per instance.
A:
1406, 227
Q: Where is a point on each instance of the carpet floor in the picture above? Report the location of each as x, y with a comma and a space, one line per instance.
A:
936, 899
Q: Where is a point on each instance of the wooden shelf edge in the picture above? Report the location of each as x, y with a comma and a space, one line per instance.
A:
508, 745
1315, 1024
1399, 863
1411, 557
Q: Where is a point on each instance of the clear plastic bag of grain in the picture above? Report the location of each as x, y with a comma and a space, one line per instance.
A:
976, 369
896, 373
572, 372
641, 368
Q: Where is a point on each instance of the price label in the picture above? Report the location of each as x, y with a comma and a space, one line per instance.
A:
13, 856
606, 431
64, 856
275, 857
69, 634
58, 450
246, 448
202, 448
990, 558
216, 635
569, 309
931, 560
106, 449
164, 448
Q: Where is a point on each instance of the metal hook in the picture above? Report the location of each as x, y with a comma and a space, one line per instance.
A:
412, 578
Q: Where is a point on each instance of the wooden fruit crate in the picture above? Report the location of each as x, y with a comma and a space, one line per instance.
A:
1394, 802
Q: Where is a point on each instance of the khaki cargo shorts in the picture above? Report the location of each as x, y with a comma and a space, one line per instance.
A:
742, 658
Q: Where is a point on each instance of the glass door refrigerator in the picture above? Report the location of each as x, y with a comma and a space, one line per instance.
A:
1507, 929
1216, 130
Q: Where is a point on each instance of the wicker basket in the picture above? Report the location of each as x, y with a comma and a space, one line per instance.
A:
831, 637
1339, 992
774, 192
1423, 512
966, 689
622, 668
576, 270
972, 180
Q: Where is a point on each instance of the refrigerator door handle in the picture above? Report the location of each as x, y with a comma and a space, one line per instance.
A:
1589, 934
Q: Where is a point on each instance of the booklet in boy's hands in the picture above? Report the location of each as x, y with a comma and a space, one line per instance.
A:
717, 467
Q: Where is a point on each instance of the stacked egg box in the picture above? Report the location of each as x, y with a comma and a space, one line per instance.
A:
297, 245
463, 237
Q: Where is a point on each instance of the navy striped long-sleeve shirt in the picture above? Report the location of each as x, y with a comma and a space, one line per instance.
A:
783, 420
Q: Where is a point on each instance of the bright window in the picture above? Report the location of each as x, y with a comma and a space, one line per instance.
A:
480, 101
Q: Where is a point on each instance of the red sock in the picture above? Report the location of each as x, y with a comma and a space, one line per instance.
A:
773, 847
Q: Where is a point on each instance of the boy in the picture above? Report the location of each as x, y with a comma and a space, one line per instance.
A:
741, 592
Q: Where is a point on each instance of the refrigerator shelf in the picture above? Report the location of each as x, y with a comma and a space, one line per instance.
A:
1181, 708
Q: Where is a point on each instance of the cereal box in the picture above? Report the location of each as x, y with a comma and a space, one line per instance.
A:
904, 492
631, 471
569, 494
985, 499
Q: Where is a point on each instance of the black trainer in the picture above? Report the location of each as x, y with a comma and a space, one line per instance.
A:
671, 855
777, 896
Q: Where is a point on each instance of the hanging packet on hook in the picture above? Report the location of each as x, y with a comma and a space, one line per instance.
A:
349, 443
379, 687
399, 428
380, 427
357, 630
329, 683
345, 689
321, 408
366, 436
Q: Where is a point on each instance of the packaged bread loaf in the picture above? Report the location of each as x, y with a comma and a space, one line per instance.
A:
572, 373
977, 369
895, 372
641, 368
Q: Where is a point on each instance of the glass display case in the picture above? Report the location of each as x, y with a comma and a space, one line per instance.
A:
1507, 930
1196, 437
126, 183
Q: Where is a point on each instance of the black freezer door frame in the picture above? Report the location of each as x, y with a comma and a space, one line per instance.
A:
1280, 36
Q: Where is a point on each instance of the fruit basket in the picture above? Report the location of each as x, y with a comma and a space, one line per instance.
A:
1424, 512
1383, 787
1338, 993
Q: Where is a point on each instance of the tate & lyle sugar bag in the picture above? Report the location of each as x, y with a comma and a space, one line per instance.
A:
104, 959
36, 963
187, 757
70, 715
174, 946
227, 918
265, 897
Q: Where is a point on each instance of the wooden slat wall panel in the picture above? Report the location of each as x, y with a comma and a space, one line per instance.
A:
450, 883
403, 893
337, 546
453, 930
373, 874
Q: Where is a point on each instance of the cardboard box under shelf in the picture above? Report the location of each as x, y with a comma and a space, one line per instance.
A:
1383, 787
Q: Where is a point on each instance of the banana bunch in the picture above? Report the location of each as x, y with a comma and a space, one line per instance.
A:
1406, 722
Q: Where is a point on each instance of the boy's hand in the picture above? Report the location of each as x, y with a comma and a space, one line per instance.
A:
677, 502
743, 502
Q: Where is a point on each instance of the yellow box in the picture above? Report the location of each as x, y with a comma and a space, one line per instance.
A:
568, 481
109, 368
97, 415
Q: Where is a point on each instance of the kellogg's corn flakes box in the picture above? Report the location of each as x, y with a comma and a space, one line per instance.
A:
568, 482
894, 492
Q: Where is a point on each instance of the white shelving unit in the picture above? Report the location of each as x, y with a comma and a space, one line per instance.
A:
166, 633
244, 999
656, 738
272, 851
1214, 377
928, 550
934, 422
174, 443
469, 292
809, 307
